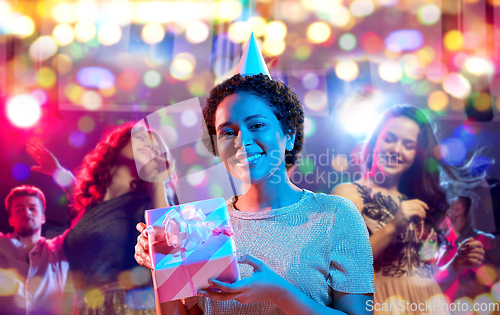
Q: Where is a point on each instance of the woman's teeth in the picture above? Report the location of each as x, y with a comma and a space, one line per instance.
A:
253, 157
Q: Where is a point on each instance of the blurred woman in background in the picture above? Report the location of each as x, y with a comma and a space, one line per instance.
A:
403, 205
123, 176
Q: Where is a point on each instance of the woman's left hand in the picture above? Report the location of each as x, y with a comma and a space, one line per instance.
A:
157, 170
263, 285
470, 254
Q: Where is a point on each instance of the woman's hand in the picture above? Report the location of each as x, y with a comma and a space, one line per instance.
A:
47, 162
263, 285
408, 210
157, 170
142, 247
470, 254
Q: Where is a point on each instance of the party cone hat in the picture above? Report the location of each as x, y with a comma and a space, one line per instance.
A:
252, 61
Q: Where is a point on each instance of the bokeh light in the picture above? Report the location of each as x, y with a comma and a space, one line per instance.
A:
310, 80
273, 48
275, 31
318, 32
361, 8
62, 63
23, 110
438, 101
64, 13
228, 10
152, 79
429, 14
182, 66
457, 85
128, 79
197, 32
239, 32
453, 151
43, 48
109, 34
347, 70
22, 26
197, 176
403, 40
188, 155
85, 31
189, 118
95, 77
340, 163
371, 42
62, 178
91, 100
479, 66
77, 139
347, 41
257, 25
86, 124
152, 33
40, 96
63, 34
315, 100
340, 16
482, 102
87, 10
453, 40
21, 171
390, 71
46, 77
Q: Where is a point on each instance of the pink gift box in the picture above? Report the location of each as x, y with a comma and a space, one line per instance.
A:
180, 272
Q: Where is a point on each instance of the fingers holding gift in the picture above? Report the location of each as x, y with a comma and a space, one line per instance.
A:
142, 257
221, 296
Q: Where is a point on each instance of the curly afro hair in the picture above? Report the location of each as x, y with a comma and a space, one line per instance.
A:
280, 97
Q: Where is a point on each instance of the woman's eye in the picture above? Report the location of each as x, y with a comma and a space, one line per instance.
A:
257, 125
226, 133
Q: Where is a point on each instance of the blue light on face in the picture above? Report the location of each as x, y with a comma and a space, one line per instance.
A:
404, 40
95, 77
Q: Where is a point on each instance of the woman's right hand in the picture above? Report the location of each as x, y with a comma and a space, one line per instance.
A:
408, 210
47, 162
142, 247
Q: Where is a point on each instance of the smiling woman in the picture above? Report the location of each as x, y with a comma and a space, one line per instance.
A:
301, 252
403, 205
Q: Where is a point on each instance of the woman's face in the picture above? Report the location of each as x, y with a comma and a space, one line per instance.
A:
250, 141
396, 146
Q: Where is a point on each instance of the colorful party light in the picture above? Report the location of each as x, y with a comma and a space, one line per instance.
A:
152, 33
315, 100
91, 100
390, 71
182, 66
85, 31
275, 31
95, 77
128, 79
22, 26
197, 32
21, 172
318, 32
429, 14
457, 85
404, 40
347, 42
347, 70
109, 34
43, 48
23, 110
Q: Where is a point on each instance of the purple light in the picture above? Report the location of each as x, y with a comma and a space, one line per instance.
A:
403, 40
453, 152
466, 134
95, 77
77, 139
21, 171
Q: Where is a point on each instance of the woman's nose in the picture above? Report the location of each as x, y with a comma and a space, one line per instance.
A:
243, 139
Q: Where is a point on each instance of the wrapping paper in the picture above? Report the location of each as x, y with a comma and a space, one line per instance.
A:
190, 244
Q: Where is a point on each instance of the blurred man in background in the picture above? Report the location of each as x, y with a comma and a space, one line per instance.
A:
33, 270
